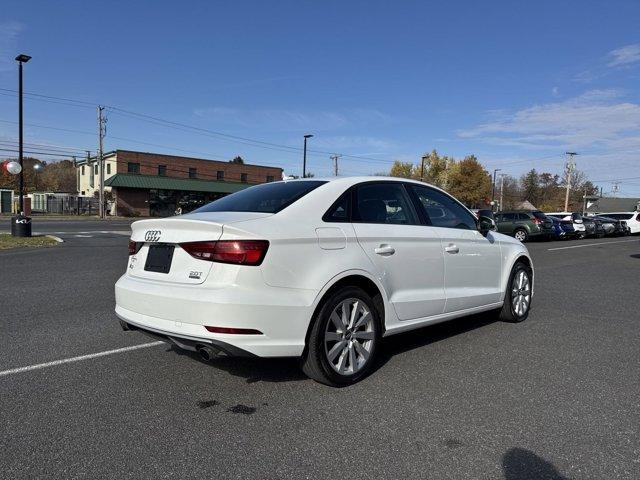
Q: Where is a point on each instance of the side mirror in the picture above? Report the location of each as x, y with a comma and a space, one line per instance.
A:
486, 225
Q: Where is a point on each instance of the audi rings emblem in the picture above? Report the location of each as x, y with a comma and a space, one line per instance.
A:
152, 235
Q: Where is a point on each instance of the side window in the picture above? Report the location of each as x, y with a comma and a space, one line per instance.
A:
523, 216
509, 217
383, 203
339, 211
442, 210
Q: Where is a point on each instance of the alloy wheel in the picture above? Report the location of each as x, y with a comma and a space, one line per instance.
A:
520, 236
520, 293
349, 336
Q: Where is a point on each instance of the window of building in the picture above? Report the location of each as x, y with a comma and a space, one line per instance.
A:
108, 169
220, 175
193, 173
243, 177
95, 169
82, 169
269, 178
162, 170
133, 167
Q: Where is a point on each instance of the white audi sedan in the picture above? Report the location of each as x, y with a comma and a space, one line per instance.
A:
319, 269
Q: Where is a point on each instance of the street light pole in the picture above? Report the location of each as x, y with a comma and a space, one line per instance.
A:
493, 192
304, 156
21, 59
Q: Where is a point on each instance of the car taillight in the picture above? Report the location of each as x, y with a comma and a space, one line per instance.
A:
537, 221
239, 252
134, 247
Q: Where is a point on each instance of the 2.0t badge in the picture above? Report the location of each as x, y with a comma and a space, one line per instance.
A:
152, 235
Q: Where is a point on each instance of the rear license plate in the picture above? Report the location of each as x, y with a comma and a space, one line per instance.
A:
159, 258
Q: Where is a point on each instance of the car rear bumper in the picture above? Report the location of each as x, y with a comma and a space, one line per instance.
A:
183, 341
179, 315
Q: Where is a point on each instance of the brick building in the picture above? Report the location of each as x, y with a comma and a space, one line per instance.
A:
152, 184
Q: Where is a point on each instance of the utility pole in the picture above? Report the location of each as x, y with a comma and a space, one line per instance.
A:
501, 191
615, 189
571, 165
101, 133
335, 157
493, 191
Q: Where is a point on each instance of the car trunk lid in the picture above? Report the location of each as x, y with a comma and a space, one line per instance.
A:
160, 257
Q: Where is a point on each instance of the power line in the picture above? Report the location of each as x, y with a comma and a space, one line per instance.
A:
236, 138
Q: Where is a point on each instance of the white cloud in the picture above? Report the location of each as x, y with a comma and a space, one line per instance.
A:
347, 142
624, 55
595, 119
9, 32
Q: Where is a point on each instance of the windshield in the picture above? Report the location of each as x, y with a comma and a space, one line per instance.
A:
267, 198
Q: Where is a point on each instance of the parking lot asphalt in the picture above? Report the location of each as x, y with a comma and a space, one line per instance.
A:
554, 397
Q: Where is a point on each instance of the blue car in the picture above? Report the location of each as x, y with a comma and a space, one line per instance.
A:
562, 229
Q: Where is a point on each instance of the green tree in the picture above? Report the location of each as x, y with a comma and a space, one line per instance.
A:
469, 182
530, 185
237, 159
403, 170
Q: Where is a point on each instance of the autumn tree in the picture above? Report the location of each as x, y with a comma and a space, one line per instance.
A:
403, 170
469, 182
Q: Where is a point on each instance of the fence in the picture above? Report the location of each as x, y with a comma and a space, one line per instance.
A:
66, 206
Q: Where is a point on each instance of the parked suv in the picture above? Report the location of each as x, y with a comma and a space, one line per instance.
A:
524, 225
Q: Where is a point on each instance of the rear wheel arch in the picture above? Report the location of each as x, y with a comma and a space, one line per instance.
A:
351, 280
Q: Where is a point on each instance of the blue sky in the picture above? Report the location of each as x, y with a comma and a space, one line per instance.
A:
516, 83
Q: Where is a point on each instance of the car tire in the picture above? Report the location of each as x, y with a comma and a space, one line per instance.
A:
521, 235
339, 356
517, 298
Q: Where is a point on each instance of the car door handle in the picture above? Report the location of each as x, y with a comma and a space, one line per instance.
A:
385, 250
451, 248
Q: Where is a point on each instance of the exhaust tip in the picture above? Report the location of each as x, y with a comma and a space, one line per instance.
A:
125, 326
206, 352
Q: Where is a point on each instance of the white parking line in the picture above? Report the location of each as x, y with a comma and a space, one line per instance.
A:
39, 366
591, 245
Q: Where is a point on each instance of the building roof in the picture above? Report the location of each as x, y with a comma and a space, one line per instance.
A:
524, 205
133, 180
614, 204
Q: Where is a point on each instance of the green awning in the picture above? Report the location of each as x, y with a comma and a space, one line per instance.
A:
132, 180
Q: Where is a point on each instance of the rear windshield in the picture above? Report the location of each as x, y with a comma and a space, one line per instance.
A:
576, 216
539, 215
267, 198
620, 216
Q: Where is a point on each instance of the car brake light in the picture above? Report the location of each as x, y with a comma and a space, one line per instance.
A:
239, 252
537, 221
233, 331
134, 247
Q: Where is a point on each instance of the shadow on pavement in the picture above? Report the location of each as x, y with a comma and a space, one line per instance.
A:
254, 369
521, 464
422, 337
288, 369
